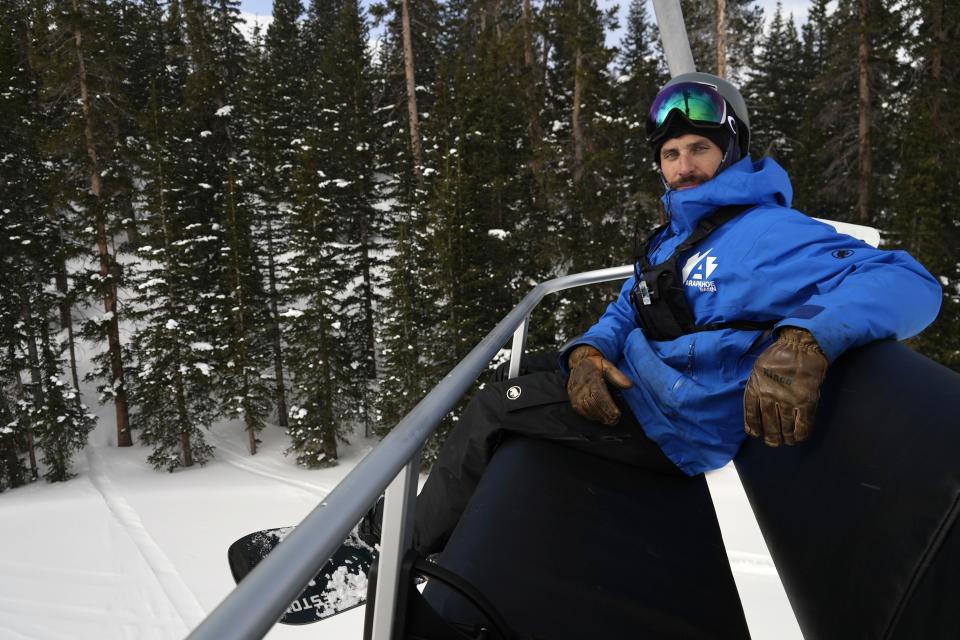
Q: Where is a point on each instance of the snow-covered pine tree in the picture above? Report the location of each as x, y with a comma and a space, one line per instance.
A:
173, 385
242, 325
244, 390
60, 423
409, 314
278, 76
42, 412
350, 127
594, 230
13, 442
852, 135
736, 33
21, 207
809, 160
926, 221
777, 90
320, 344
641, 74
76, 57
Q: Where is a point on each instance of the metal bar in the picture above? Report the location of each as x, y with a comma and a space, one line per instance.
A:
397, 537
517, 348
673, 37
260, 599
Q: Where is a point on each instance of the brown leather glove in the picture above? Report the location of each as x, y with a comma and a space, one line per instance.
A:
587, 385
782, 393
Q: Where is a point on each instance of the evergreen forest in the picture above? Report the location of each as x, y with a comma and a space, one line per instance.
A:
307, 225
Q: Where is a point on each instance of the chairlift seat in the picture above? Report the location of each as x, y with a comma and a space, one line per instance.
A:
861, 522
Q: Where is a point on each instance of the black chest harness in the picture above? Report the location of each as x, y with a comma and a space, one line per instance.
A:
658, 297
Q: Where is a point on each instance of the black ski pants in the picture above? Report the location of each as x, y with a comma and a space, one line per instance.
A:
535, 405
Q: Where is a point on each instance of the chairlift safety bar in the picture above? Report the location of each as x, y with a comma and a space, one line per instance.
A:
256, 604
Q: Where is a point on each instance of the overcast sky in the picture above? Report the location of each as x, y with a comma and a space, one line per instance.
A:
797, 7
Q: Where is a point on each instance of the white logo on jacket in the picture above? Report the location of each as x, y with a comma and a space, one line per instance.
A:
698, 269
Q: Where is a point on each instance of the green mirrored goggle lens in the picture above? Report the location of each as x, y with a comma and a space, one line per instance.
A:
698, 102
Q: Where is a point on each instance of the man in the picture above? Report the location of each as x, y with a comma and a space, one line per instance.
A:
736, 309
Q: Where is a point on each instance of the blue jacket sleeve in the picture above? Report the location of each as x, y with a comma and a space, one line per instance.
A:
842, 290
609, 333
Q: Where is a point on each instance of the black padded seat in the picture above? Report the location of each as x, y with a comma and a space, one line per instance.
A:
861, 520
570, 546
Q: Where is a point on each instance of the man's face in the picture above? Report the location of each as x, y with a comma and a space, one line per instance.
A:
689, 160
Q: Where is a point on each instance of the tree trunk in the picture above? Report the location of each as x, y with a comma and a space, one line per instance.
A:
21, 392
66, 319
865, 153
722, 38
108, 270
579, 138
282, 418
328, 435
534, 102
415, 146
240, 310
936, 63
183, 419
370, 366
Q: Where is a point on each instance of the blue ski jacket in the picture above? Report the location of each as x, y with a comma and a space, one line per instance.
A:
770, 263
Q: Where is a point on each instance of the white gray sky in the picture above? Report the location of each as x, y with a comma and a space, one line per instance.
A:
797, 7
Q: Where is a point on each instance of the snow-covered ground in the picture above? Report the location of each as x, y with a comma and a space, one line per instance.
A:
125, 552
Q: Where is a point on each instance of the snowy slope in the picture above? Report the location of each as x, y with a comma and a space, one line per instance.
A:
126, 552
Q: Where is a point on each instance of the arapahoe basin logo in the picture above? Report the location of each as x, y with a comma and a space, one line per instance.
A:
698, 269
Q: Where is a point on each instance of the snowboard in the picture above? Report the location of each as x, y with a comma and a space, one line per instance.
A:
341, 584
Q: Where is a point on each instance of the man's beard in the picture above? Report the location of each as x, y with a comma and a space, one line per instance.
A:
688, 182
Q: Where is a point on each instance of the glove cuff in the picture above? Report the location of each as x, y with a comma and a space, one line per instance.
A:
581, 353
799, 339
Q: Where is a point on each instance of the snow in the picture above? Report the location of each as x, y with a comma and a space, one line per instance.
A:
123, 552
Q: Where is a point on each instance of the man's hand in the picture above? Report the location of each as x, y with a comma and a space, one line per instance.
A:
782, 393
587, 385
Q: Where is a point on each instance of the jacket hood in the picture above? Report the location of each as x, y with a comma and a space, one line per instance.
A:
744, 183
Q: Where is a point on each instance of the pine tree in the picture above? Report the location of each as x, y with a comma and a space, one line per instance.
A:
641, 76
77, 60
332, 230
809, 160
409, 314
179, 276
592, 227
352, 131
42, 413
850, 133
776, 91
741, 25
244, 320
279, 120
928, 182
59, 421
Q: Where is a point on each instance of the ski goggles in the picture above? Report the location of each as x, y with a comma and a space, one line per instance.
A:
699, 103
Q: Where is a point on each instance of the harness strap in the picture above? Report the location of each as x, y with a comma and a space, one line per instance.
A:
658, 299
740, 325
704, 228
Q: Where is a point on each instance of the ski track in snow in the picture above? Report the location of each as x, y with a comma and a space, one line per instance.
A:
226, 452
176, 591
